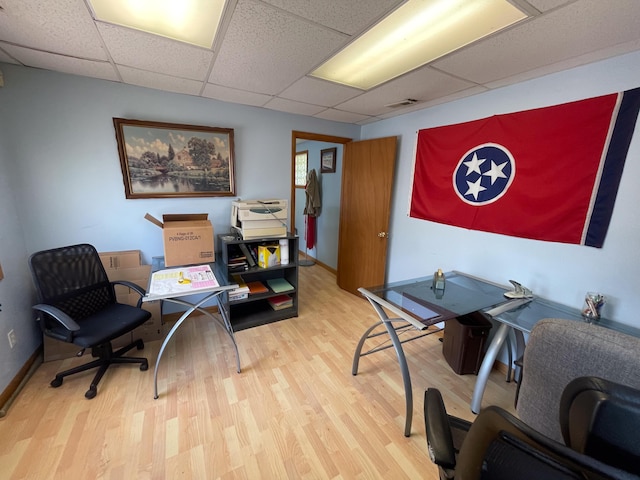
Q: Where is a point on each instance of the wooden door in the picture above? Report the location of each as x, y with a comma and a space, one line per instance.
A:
367, 181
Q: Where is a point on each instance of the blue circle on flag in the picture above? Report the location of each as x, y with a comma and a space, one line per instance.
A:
484, 174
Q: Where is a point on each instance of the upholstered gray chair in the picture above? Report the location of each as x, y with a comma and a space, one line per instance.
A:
578, 409
560, 350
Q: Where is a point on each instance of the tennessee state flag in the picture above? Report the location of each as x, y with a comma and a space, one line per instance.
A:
547, 174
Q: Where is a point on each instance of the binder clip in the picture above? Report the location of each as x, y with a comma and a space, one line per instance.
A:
519, 291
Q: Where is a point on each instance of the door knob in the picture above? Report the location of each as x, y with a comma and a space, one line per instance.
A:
383, 234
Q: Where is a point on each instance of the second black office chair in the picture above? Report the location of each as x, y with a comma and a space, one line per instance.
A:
78, 305
599, 421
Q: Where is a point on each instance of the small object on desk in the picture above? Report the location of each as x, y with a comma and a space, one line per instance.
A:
438, 283
593, 304
519, 291
183, 280
438, 280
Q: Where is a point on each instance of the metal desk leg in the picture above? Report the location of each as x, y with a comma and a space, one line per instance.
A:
193, 307
487, 365
164, 344
404, 368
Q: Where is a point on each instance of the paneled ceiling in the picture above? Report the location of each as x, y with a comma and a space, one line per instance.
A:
266, 49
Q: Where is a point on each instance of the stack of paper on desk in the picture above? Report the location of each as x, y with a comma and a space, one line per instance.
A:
181, 281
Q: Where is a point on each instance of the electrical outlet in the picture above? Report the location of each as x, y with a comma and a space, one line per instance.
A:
12, 338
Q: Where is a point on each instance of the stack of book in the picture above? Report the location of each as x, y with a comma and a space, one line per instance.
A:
241, 292
279, 285
237, 263
281, 302
257, 287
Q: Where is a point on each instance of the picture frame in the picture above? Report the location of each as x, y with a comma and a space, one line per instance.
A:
164, 160
328, 160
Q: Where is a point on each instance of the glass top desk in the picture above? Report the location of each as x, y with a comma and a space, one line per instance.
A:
417, 306
205, 295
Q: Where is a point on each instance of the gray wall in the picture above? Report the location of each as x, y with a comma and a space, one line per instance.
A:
61, 183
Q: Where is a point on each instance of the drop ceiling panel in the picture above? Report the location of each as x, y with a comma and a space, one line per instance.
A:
4, 57
61, 63
159, 81
61, 26
319, 92
545, 5
341, 116
575, 30
289, 106
348, 17
235, 96
265, 49
423, 85
153, 53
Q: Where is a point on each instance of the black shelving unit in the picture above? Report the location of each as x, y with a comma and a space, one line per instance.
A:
255, 310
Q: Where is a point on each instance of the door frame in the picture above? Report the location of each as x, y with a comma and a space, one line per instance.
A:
295, 134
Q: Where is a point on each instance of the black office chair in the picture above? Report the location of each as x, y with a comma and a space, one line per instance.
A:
598, 418
78, 305
601, 419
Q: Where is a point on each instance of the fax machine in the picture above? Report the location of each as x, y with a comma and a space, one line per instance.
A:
259, 218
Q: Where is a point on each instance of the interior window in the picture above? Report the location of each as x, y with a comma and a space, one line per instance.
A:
301, 169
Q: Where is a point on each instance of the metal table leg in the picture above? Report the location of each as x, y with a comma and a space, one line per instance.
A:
487, 365
404, 368
193, 307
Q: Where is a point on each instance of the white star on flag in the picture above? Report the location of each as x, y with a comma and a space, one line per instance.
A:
495, 172
473, 165
475, 188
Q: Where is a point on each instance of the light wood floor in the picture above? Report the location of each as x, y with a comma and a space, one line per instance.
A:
294, 412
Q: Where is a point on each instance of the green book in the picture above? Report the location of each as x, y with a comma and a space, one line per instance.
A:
279, 285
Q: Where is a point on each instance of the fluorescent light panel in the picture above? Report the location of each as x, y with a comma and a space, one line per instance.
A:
415, 34
190, 21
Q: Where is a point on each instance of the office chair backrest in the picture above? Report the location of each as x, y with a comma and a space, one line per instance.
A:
602, 419
72, 279
499, 446
559, 351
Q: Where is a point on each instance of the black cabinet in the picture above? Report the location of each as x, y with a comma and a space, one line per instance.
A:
238, 257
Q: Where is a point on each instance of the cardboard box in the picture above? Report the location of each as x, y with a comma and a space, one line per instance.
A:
138, 275
188, 238
122, 259
268, 256
152, 329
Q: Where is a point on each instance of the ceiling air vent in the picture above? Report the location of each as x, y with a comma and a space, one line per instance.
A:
402, 103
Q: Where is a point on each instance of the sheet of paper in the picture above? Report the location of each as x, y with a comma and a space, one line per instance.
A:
182, 281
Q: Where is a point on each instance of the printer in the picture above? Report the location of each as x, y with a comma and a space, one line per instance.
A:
259, 218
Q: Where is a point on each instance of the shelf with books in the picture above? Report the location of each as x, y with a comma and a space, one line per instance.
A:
251, 308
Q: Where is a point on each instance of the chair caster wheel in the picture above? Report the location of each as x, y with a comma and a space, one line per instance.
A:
144, 366
91, 393
56, 382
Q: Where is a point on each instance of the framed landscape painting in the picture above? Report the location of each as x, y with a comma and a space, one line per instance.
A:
161, 160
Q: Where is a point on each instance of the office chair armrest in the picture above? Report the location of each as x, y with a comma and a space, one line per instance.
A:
133, 286
439, 437
65, 320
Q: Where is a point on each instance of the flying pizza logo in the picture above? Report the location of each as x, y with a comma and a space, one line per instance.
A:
484, 174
